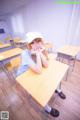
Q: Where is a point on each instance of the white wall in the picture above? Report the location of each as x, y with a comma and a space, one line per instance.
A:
58, 23
74, 26
47, 17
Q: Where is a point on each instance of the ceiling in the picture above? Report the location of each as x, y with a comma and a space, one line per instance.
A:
7, 6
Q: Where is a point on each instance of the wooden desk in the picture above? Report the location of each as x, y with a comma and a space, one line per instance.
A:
5, 47
19, 41
68, 52
9, 54
42, 86
20, 44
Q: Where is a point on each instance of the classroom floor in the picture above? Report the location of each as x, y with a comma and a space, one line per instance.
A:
22, 106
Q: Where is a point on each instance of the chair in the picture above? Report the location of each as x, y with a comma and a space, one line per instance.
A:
13, 65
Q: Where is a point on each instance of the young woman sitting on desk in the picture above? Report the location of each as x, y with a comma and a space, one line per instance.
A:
35, 57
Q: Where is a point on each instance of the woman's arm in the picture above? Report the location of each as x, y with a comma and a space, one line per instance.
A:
43, 55
37, 67
44, 60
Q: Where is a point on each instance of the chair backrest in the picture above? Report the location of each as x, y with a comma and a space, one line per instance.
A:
13, 65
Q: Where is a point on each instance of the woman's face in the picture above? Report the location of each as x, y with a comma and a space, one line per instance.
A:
36, 44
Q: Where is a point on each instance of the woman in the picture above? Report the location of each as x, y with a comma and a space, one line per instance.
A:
35, 57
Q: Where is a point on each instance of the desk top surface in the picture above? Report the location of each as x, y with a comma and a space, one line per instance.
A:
18, 41
42, 86
4, 46
69, 50
10, 53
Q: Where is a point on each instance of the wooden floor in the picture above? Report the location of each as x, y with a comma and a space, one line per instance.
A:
22, 106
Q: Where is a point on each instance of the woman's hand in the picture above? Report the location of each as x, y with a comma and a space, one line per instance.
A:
37, 50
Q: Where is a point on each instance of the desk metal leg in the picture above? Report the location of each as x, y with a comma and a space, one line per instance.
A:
59, 57
67, 75
73, 63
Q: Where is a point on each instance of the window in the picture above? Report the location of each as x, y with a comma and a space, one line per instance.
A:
17, 24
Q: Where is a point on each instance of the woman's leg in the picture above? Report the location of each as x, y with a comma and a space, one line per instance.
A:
51, 111
59, 92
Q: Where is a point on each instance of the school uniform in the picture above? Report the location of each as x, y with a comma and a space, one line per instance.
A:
26, 61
